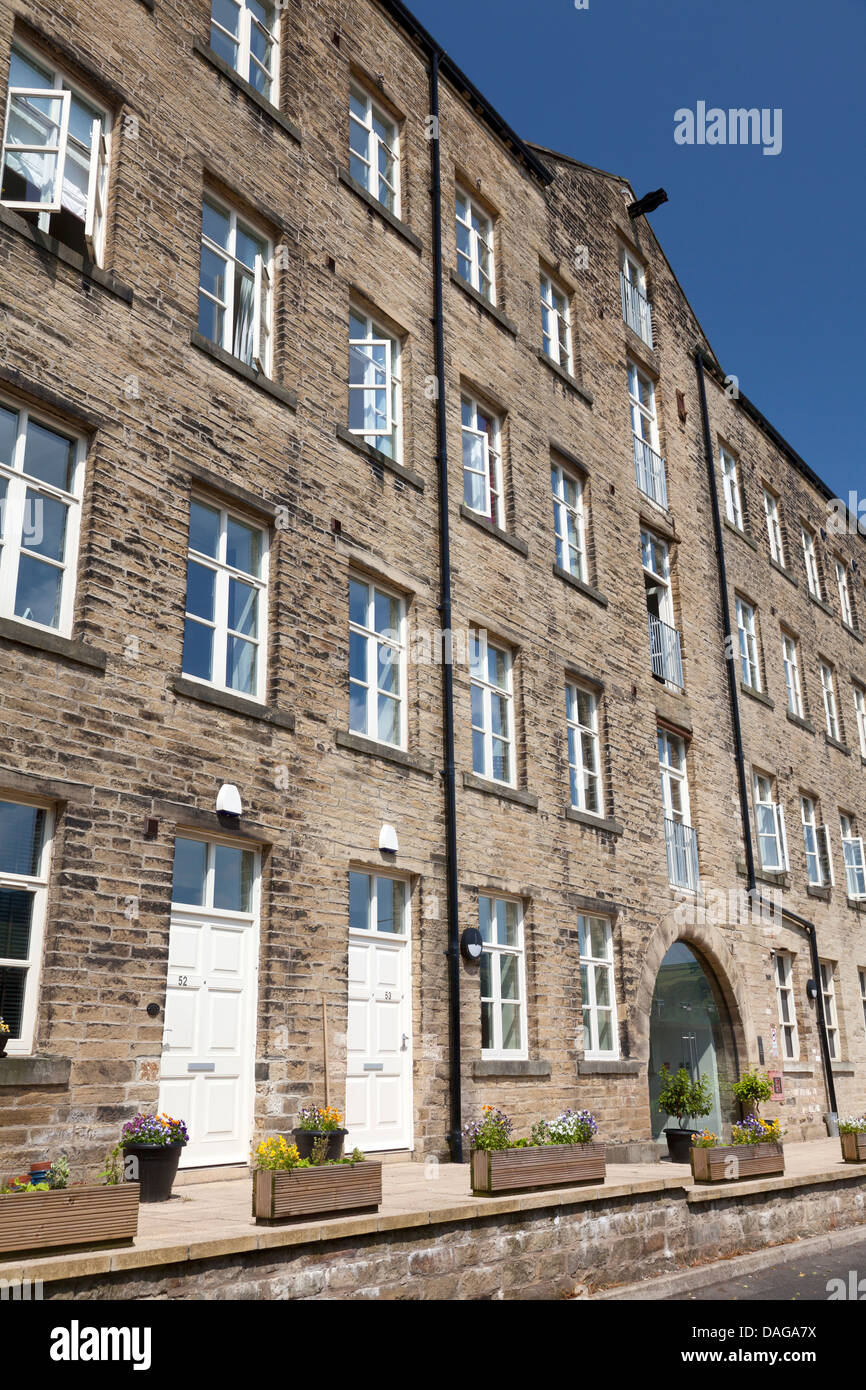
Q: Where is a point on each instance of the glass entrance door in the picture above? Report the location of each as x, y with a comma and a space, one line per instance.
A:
685, 1031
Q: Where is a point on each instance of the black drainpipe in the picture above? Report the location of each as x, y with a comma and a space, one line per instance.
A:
742, 779
455, 1133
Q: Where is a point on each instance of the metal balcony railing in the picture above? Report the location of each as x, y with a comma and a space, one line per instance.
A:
682, 847
650, 470
636, 310
666, 652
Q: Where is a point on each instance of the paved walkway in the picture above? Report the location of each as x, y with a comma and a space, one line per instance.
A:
221, 1210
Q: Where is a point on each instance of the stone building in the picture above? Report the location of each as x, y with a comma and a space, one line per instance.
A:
238, 852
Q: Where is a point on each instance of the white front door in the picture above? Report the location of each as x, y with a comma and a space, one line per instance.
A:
379, 1033
206, 1077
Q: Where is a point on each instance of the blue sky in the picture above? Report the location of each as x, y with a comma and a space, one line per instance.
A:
769, 249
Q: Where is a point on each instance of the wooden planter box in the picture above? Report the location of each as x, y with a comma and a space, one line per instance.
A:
84, 1216
549, 1165
853, 1147
752, 1161
316, 1191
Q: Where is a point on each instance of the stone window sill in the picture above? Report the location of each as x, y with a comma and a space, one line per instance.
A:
379, 209
485, 1070
782, 880
800, 722
822, 894
836, 743
53, 247
852, 632
819, 603
857, 904
26, 636
380, 460
757, 695
236, 704
234, 364
480, 784
743, 535
207, 53
492, 530
622, 1066
569, 380
582, 587
356, 743
35, 1071
781, 569
606, 827
484, 304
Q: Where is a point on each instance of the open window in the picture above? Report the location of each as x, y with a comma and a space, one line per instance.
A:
55, 155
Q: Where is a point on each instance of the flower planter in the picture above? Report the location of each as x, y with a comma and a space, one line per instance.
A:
304, 1139
548, 1165
680, 1143
156, 1168
72, 1216
733, 1162
853, 1147
280, 1196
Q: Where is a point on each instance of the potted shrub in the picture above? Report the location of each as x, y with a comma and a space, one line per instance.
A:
4, 1037
287, 1186
52, 1215
755, 1151
558, 1153
852, 1133
313, 1122
751, 1091
151, 1147
686, 1099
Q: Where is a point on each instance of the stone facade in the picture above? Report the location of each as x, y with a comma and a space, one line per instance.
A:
101, 726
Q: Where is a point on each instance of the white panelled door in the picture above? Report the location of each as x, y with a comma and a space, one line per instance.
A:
379, 1034
208, 1053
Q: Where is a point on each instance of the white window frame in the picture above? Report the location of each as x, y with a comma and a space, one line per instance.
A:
774, 527
263, 281
831, 703
731, 488
816, 839
768, 809
793, 682
491, 446
37, 884
636, 310
378, 340
645, 433
211, 842
854, 858
860, 711
100, 150
389, 641
481, 236
584, 749
831, 1016
810, 560
783, 974
556, 336
862, 976
375, 113
845, 601
564, 512
245, 55
494, 950
224, 574
18, 519
371, 932
591, 1009
750, 652
480, 647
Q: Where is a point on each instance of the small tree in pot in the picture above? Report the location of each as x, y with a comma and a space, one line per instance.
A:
686, 1099
752, 1090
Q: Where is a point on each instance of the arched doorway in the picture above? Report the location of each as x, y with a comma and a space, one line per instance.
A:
690, 1027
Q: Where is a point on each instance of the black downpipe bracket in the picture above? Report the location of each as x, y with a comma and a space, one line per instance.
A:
742, 779
455, 1133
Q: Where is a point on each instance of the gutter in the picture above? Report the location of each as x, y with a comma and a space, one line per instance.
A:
702, 365
455, 1133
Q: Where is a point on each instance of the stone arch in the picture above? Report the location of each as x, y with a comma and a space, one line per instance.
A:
725, 978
